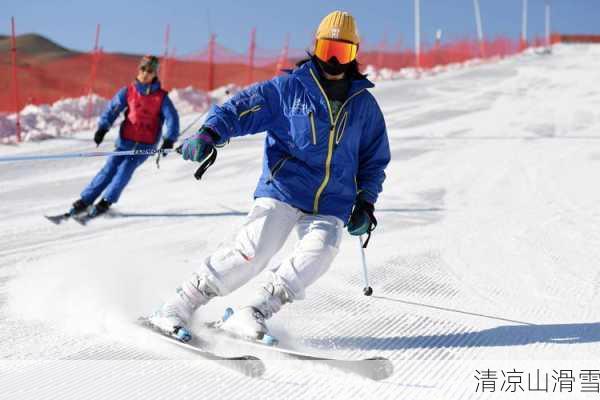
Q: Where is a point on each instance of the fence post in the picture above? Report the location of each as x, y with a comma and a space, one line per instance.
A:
381, 52
283, 56
211, 62
95, 56
417, 35
547, 18
479, 28
165, 62
523, 43
438, 48
251, 51
13, 51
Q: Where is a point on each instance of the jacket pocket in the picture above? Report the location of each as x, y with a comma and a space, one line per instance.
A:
277, 167
301, 130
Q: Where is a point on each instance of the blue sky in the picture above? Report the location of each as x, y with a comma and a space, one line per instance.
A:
139, 26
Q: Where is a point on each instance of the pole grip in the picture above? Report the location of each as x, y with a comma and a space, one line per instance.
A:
204, 164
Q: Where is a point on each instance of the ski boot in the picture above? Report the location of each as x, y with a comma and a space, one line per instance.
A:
100, 208
172, 319
249, 322
79, 207
174, 316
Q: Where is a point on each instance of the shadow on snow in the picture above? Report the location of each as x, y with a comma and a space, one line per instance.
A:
516, 334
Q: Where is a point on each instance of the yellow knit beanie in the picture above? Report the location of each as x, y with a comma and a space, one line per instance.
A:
338, 25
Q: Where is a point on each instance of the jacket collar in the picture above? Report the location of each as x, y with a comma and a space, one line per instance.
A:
145, 89
303, 73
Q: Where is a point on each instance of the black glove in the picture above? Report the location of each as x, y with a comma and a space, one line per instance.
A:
167, 144
362, 219
99, 135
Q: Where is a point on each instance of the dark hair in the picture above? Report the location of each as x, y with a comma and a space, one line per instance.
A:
353, 72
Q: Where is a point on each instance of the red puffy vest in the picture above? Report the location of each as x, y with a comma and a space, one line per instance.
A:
142, 122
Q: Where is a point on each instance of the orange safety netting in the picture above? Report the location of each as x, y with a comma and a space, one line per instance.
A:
580, 38
44, 82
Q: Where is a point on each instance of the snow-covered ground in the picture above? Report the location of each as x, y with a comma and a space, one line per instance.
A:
485, 260
69, 116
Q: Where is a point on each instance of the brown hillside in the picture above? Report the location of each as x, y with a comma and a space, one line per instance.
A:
48, 72
34, 46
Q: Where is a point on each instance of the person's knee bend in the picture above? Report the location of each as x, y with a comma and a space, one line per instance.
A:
301, 271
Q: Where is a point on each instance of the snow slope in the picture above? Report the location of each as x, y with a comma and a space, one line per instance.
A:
69, 116
486, 256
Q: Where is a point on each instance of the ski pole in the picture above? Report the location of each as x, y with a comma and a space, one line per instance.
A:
367, 290
84, 155
204, 164
191, 124
163, 153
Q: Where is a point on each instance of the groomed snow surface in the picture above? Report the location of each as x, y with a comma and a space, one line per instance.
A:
485, 264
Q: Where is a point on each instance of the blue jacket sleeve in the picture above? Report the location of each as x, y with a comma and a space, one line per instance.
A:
113, 109
374, 156
171, 119
248, 112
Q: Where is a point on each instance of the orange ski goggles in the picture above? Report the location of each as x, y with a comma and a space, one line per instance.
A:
344, 52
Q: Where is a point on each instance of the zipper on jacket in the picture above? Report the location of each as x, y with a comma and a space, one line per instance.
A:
313, 130
331, 141
250, 110
342, 128
277, 167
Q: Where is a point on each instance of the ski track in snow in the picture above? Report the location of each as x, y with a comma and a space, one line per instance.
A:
485, 256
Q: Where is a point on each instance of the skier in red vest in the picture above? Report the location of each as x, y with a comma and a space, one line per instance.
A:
147, 107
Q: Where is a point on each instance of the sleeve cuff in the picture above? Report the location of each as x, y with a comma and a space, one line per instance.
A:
366, 196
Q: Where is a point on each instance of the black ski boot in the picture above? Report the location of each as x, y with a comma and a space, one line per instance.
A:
79, 207
100, 208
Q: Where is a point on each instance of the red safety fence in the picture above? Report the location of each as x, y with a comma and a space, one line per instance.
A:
580, 38
44, 81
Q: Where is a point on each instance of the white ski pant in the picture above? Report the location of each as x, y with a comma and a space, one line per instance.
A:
264, 232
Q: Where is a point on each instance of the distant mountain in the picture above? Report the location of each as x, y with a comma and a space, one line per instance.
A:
35, 46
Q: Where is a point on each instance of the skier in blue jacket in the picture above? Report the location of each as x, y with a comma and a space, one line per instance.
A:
146, 107
326, 149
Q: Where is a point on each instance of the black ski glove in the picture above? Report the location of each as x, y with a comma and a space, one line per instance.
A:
99, 136
167, 144
362, 221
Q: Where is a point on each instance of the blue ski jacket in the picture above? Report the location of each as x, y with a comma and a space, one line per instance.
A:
168, 116
313, 160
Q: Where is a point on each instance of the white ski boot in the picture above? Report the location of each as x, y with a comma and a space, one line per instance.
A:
173, 317
249, 322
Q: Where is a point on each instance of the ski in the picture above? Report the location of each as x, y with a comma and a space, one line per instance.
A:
375, 368
83, 219
248, 365
58, 219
